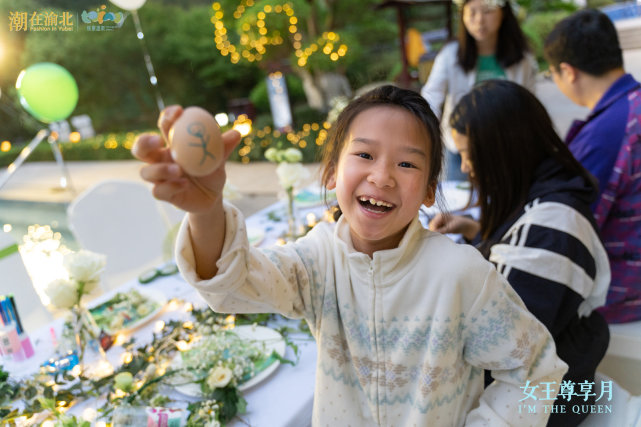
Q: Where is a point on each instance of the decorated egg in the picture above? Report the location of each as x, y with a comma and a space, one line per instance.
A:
196, 143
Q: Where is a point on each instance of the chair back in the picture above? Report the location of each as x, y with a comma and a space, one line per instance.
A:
122, 220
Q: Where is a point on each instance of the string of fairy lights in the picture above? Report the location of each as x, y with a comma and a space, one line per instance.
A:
261, 139
254, 34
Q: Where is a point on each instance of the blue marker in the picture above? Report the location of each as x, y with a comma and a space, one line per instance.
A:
3, 312
13, 315
12, 301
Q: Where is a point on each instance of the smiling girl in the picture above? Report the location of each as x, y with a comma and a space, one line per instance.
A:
405, 320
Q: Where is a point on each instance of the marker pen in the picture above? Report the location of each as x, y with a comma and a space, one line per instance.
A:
11, 331
25, 342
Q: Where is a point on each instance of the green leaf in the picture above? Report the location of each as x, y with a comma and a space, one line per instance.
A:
228, 399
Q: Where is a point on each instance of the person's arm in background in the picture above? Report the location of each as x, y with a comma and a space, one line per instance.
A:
457, 224
530, 69
436, 87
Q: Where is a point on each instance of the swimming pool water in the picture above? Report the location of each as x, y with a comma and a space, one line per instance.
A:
19, 215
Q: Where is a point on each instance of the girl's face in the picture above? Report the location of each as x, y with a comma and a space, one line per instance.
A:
462, 143
481, 20
382, 174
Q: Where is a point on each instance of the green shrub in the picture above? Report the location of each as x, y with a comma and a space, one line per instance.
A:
304, 114
537, 26
113, 146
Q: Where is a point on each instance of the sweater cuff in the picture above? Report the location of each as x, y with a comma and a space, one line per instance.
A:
233, 258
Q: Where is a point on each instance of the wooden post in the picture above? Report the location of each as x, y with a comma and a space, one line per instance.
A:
404, 78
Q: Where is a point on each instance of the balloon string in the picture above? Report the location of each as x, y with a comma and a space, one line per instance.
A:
150, 67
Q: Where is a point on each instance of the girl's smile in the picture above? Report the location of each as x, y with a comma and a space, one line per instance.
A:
382, 176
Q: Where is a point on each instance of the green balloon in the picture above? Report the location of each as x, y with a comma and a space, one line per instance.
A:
47, 91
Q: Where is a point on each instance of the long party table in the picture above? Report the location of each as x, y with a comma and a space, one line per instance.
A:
285, 398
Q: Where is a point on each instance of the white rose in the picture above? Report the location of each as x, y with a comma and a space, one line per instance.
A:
291, 174
219, 377
62, 293
293, 155
85, 266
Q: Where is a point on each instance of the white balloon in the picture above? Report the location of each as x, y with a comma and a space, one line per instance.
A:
129, 4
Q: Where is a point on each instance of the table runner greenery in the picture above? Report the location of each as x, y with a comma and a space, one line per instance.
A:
142, 380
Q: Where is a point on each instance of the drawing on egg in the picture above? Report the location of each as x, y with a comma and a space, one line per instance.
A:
200, 131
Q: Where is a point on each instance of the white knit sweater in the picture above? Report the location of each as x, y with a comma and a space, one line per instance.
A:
402, 337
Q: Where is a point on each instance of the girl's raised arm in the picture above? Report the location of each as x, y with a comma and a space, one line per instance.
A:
200, 196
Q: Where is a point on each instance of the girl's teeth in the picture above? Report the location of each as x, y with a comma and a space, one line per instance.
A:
372, 201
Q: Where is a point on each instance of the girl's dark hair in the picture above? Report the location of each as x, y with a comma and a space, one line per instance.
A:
511, 42
509, 134
386, 96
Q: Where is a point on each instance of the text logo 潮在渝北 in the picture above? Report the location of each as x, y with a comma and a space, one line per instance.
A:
101, 19
42, 21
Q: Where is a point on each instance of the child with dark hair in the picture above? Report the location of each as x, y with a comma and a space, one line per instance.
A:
586, 64
405, 320
490, 45
535, 225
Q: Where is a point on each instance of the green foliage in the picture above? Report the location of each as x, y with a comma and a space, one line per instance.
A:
110, 71
304, 114
538, 26
599, 3
112, 77
115, 146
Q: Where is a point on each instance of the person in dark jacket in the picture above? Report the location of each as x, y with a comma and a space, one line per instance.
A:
535, 224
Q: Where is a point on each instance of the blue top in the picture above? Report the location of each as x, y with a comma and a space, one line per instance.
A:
595, 142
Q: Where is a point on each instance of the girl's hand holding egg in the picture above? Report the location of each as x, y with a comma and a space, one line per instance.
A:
186, 163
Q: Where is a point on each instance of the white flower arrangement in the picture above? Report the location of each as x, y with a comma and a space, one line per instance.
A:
219, 377
291, 174
84, 269
221, 359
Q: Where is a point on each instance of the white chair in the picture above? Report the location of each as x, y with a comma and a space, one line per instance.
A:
622, 410
623, 358
122, 220
15, 280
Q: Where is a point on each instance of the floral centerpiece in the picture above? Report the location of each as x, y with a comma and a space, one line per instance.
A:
84, 269
291, 173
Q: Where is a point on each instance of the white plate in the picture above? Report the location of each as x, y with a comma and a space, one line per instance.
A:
158, 299
273, 342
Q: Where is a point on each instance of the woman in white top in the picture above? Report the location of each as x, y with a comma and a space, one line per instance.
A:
490, 45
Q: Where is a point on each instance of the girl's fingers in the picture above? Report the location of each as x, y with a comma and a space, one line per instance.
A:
160, 172
231, 138
168, 190
167, 118
437, 222
150, 148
